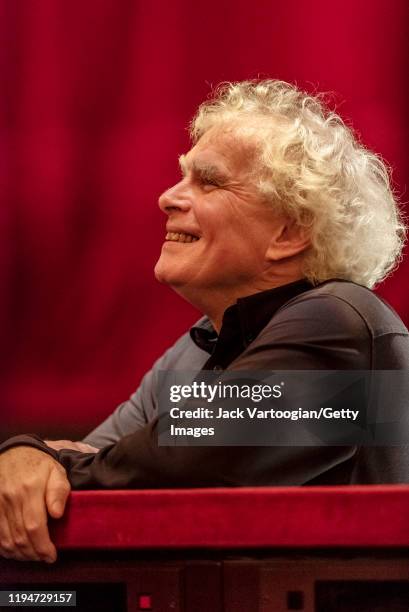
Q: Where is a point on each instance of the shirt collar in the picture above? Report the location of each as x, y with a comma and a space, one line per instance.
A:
243, 321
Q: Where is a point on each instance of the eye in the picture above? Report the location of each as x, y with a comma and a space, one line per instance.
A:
208, 182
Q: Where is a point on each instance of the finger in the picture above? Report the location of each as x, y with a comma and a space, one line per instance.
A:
55, 444
35, 522
86, 448
6, 541
60, 444
22, 549
57, 492
68, 444
12, 555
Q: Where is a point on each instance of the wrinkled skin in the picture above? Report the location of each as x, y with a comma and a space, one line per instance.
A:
33, 486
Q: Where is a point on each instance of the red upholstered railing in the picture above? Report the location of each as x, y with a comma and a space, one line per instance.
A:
355, 516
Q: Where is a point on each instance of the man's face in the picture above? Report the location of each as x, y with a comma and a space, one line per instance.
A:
218, 227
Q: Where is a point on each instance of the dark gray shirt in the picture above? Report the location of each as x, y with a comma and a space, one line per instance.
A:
337, 325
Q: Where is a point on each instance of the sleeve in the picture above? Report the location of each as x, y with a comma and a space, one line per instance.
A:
28, 440
141, 408
136, 462
130, 416
324, 333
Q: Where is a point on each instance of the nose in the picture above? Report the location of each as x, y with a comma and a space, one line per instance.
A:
175, 198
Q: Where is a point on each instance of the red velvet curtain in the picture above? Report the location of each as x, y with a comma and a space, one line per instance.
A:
95, 97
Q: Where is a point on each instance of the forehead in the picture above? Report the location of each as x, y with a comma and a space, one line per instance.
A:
224, 150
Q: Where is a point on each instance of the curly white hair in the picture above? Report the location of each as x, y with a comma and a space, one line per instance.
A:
314, 169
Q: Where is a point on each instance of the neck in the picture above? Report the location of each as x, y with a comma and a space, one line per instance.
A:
214, 302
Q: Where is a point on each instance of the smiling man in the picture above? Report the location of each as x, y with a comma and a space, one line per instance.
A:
223, 239
277, 230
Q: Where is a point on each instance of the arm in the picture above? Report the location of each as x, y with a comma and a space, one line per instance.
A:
323, 334
130, 416
42, 481
141, 408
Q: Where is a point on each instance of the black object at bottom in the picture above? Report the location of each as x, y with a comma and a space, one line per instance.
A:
362, 596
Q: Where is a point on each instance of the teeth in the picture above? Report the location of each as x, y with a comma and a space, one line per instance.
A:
180, 237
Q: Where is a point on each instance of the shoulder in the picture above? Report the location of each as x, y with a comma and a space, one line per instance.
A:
345, 304
338, 325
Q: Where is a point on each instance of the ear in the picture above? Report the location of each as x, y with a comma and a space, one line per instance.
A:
288, 240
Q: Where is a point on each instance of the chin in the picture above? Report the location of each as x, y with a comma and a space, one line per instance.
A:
159, 273
164, 275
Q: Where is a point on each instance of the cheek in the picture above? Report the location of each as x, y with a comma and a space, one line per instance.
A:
226, 228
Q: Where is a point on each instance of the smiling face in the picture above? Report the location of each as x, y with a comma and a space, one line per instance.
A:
219, 228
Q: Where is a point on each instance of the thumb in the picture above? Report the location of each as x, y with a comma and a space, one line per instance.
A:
57, 492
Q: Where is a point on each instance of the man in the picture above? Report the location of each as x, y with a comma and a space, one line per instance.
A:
277, 230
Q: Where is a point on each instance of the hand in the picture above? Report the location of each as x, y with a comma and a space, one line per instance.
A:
80, 446
31, 483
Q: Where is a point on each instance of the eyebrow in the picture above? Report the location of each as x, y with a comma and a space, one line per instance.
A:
205, 170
